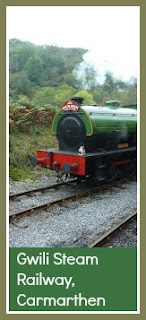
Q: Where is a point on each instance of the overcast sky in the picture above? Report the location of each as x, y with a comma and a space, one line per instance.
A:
111, 34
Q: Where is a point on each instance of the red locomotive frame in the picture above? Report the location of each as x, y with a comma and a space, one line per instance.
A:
82, 165
55, 160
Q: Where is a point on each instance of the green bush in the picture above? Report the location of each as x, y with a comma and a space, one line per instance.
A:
44, 96
88, 98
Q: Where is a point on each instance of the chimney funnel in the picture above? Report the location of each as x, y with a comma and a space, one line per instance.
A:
78, 100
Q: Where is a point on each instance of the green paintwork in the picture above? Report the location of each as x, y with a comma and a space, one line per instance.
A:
103, 119
81, 114
131, 106
113, 103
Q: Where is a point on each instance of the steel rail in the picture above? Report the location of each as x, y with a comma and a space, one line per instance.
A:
25, 192
105, 237
70, 197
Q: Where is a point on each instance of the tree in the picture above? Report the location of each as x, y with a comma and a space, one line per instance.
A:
108, 83
97, 95
24, 86
19, 56
64, 94
88, 98
44, 96
44, 66
19, 84
34, 69
69, 79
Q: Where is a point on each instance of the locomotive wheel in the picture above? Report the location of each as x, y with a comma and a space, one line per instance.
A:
80, 179
132, 168
123, 171
111, 171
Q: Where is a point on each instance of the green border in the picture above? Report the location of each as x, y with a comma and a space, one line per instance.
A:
3, 5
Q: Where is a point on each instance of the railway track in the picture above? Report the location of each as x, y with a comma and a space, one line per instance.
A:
41, 189
108, 235
64, 200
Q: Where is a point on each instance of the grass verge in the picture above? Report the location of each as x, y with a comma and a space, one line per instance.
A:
23, 146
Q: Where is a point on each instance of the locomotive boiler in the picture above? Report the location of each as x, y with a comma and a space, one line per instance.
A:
95, 141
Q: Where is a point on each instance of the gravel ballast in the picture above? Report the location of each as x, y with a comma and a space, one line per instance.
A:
127, 237
75, 226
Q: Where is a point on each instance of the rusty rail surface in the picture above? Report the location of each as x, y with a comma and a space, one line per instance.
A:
106, 237
33, 190
67, 198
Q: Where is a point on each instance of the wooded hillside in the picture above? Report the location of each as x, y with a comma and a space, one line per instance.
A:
34, 66
42, 79
50, 75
